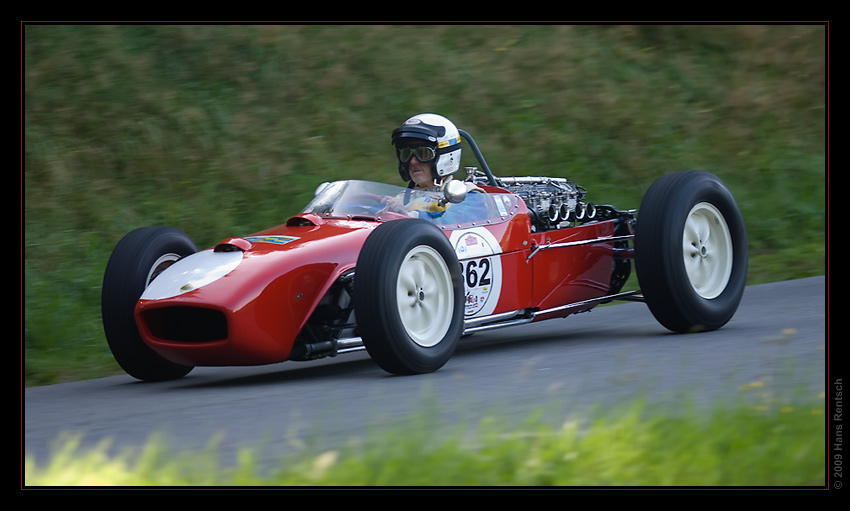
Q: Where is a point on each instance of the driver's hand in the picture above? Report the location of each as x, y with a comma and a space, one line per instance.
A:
395, 205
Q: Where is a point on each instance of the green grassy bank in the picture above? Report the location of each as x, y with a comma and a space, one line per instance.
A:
742, 445
226, 130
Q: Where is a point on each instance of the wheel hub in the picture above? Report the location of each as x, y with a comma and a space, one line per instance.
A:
425, 296
707, 245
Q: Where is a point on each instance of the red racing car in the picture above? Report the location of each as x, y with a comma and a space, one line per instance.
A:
405, 273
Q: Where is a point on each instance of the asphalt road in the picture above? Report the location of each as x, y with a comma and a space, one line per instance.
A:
603, 360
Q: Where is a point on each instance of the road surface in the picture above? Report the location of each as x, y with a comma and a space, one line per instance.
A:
605, 360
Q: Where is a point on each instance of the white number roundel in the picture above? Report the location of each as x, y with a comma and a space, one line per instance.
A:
481, 267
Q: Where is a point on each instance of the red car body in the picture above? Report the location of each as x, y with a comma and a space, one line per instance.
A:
264, 302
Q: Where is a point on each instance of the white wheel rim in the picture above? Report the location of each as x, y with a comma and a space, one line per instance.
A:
425, 296
707, 250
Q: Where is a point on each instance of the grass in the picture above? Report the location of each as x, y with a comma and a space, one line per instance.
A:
741, 445
227, 130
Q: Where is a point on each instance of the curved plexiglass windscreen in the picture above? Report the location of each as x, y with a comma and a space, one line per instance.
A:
383, 202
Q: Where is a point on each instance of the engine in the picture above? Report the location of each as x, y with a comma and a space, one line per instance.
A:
552, 202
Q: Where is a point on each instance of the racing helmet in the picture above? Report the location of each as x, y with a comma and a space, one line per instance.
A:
440, 133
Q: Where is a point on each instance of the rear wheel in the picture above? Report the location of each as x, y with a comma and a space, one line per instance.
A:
408, 297
135, 262
691, 251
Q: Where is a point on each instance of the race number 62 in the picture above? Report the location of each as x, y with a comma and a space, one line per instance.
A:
476, 272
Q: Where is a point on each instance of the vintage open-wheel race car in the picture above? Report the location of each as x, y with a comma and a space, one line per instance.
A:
405, 283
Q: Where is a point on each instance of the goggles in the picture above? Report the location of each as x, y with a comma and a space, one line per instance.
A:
423, 153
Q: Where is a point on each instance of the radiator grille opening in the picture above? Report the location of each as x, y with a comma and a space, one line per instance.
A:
186, 324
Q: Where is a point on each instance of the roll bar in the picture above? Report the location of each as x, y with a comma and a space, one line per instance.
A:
472, 145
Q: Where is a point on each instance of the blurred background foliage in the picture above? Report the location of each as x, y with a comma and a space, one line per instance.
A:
227, 129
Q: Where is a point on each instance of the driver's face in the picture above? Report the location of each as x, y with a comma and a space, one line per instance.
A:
420, 172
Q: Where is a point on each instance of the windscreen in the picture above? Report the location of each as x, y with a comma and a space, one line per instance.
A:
383, 202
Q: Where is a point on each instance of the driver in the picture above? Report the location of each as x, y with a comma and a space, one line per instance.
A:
428, 149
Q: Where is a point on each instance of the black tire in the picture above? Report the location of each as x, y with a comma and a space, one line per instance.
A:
691, 251
414, 331
134, 263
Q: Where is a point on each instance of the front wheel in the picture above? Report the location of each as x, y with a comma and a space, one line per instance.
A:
691, 251
136, 261
408, 297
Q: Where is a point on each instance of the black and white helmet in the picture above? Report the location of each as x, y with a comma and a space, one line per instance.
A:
442, 137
